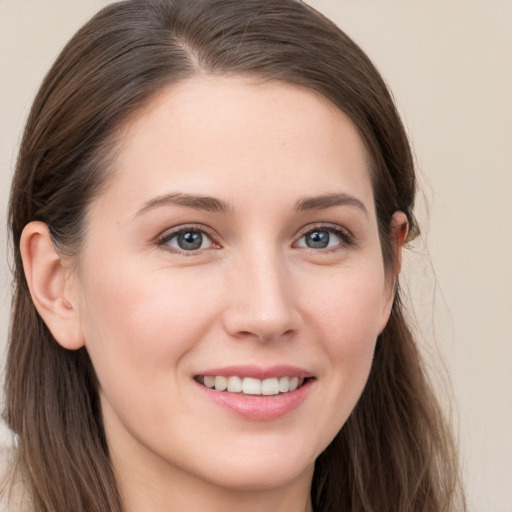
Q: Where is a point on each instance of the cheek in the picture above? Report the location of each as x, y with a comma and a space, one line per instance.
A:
347, 319
350, 307
356, 325
136, 322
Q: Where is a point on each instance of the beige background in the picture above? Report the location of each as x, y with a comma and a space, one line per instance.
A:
449, 64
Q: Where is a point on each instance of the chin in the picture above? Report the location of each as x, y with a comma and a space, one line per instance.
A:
266, 467
261, 475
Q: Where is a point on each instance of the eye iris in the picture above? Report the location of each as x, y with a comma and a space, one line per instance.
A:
190, 240
317, 239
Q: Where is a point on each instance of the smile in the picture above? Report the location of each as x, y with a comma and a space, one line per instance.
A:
251, 385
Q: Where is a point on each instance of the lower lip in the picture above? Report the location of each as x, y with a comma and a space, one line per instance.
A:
259, 407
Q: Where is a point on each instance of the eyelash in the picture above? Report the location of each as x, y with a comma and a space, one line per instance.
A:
347, 239
165, 238
345, 235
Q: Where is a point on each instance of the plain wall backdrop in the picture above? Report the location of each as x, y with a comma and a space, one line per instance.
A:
449, 65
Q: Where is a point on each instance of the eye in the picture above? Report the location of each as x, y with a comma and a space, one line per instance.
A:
324, 238
187, 240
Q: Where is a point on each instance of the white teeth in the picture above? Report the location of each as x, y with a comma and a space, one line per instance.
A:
209, 381
284, 384
221, 383
252, 386
234, 384
270, 387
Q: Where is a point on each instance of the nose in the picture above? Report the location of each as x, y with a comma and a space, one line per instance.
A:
262, 304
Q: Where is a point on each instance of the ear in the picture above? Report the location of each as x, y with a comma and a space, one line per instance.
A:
48, 280
399, 229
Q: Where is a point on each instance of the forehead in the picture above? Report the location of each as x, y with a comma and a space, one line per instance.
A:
225, 136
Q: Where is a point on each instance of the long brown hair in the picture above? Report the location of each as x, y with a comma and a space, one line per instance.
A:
395, 452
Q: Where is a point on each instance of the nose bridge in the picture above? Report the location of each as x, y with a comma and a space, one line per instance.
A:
262, 302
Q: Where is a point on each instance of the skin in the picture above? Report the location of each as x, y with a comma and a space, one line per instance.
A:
153, 316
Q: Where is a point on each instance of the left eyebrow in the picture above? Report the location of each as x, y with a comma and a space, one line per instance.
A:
328, 201
205, 203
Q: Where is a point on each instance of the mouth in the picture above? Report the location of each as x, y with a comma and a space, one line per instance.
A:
252, 386
255, 393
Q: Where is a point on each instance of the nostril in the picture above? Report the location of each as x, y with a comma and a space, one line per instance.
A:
265, 338
267, 323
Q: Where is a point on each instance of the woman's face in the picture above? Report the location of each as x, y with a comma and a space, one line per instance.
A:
236, 245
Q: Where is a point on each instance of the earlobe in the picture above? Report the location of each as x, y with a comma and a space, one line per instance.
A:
49, 286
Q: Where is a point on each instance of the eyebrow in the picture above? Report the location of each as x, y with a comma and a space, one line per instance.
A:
214, 205
205, 203
328, 201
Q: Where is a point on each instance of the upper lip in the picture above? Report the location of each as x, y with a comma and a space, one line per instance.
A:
258, 372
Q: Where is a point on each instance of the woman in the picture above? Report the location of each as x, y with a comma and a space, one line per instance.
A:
208, 213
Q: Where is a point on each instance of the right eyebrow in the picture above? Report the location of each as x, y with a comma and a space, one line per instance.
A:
329, 200
197, 202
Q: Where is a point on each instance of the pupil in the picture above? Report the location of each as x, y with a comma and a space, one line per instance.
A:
191, 240
317, 239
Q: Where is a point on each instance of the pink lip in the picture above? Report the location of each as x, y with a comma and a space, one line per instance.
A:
261, 408
257, 372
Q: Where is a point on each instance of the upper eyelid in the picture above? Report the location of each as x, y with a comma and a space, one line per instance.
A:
170, 232
347, 238
327, 226
162, 240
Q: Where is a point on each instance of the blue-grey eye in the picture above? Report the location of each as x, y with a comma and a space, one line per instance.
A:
320, 239
189, 240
